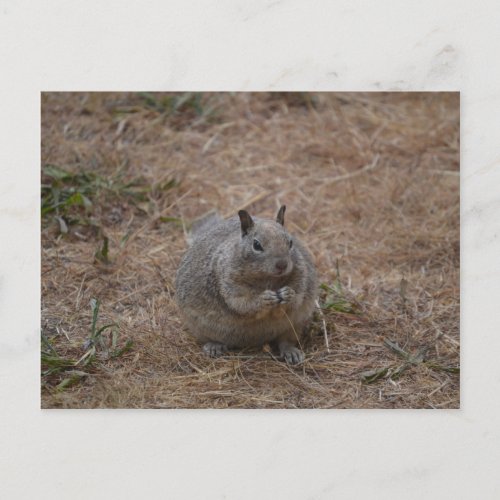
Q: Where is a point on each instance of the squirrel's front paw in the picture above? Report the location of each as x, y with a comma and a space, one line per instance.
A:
285, 294
292, 355
269, 298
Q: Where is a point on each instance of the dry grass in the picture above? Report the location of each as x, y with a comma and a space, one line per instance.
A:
371, 183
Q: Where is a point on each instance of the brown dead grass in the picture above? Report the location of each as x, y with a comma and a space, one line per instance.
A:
369, 180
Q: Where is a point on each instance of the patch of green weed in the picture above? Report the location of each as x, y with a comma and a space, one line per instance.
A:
409, 359
102, 344
70, 197
337, 299
102, 253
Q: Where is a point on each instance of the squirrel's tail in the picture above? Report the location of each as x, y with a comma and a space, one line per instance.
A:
201, 224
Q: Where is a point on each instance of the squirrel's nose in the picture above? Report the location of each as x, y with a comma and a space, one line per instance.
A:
281, 265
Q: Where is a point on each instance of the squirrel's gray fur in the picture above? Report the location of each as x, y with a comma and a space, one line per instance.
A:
233, 294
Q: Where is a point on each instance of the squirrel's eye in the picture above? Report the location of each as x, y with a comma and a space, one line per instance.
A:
291, 243
257, 246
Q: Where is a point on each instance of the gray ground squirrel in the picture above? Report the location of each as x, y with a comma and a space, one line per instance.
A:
245, 282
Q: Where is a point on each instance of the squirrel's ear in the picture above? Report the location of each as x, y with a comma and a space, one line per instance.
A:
246, 221
281, 215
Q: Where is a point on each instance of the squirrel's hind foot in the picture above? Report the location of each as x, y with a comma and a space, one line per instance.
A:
291, 354
214, 349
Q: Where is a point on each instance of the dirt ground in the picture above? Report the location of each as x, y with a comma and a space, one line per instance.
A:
371, 184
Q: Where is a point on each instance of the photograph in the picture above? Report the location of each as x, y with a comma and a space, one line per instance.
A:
250, 250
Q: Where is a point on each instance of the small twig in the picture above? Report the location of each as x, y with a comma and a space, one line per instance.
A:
65, 333
437, 389
184, 229
454, 173
343, 177
294, 331
77, 303
256, 198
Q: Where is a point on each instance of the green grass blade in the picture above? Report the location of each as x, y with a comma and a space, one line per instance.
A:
393, 346
127, 347
73, 379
